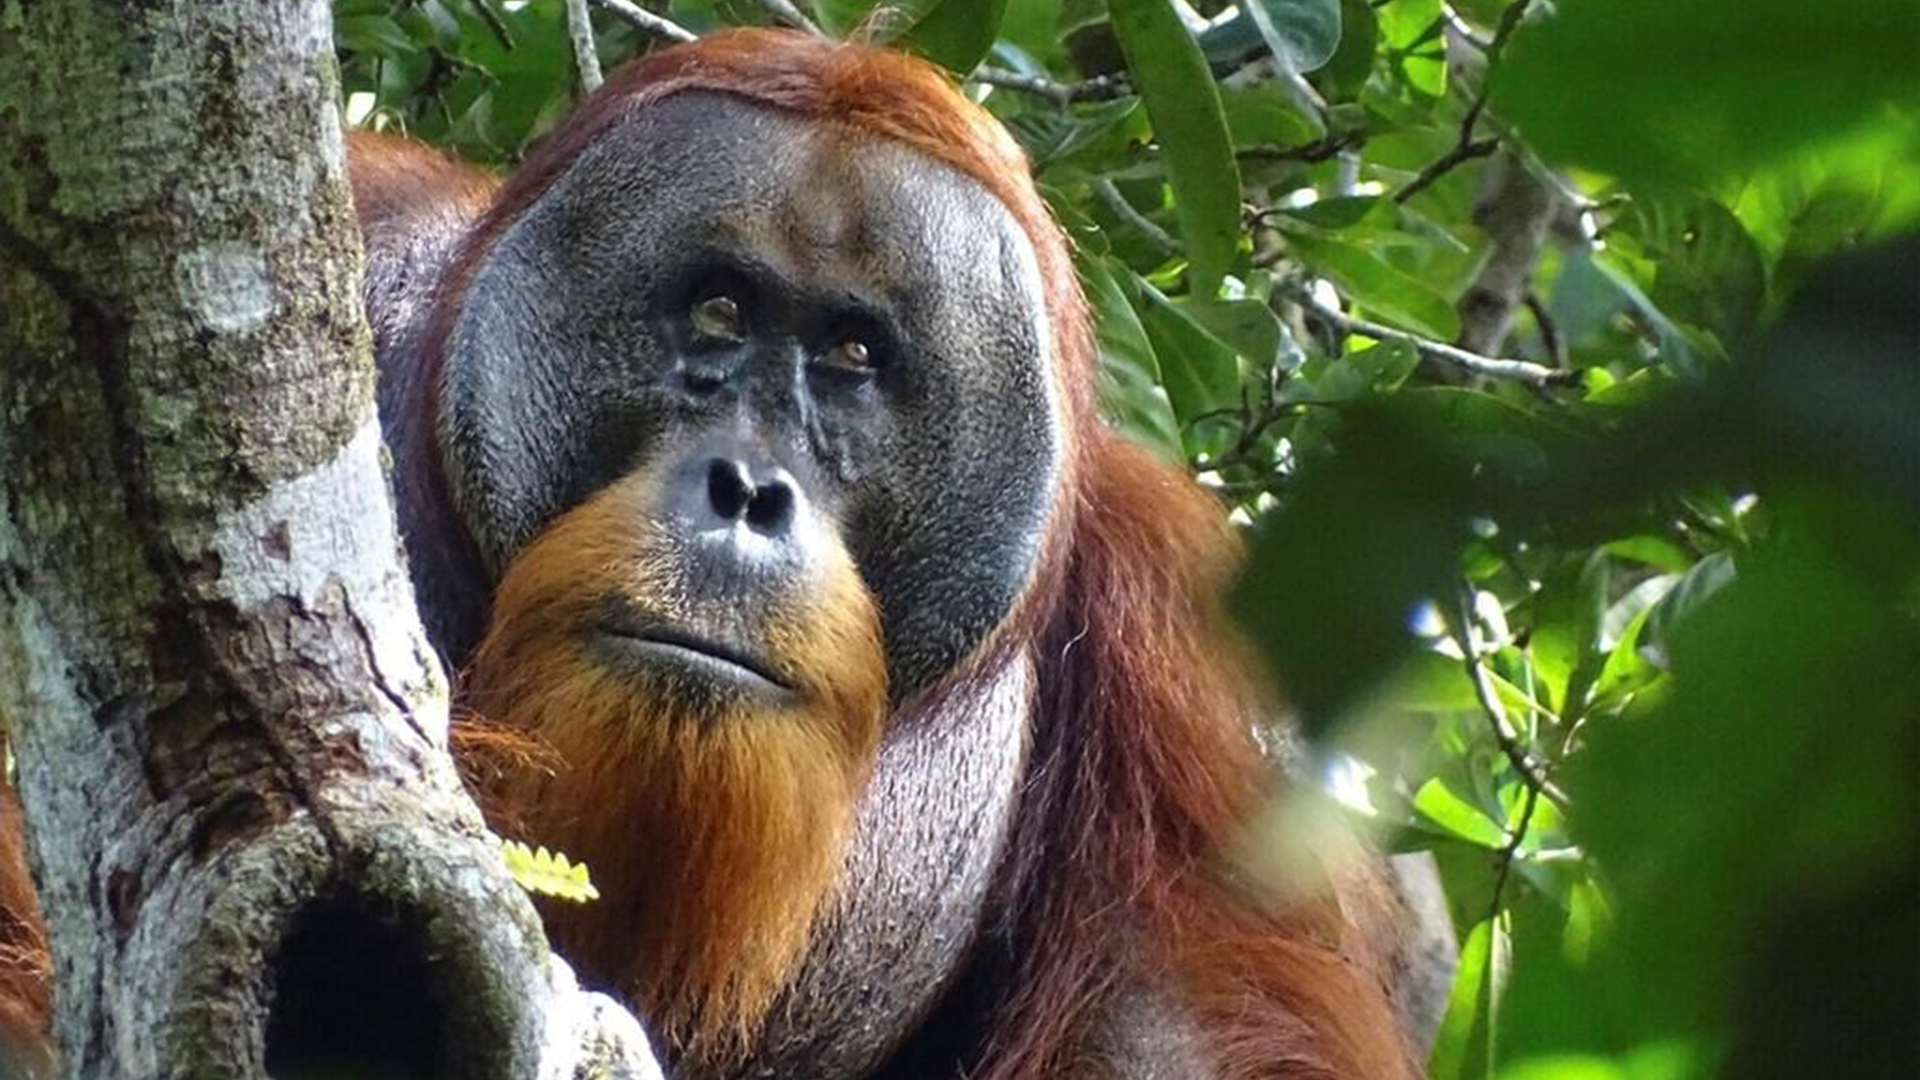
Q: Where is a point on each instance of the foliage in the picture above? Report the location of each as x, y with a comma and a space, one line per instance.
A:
1626, 634
548, 873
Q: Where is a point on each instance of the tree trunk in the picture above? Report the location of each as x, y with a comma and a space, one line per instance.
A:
231, 734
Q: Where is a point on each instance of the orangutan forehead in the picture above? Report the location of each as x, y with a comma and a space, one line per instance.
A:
821, 200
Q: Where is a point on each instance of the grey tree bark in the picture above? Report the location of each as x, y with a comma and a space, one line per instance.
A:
1516, 209
231, 734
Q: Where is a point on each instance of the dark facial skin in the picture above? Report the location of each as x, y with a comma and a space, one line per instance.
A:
719, 273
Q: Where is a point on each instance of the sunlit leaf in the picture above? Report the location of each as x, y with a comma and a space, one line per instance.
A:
1411, 32
1457, 816
1463, 1047
1180, 95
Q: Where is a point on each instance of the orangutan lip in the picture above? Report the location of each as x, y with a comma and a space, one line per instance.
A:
689, 648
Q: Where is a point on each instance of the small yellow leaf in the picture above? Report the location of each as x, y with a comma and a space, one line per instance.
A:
548, 873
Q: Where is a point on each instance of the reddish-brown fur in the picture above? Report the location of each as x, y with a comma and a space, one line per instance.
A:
1144, 769
714, 829
26, 970
395, 184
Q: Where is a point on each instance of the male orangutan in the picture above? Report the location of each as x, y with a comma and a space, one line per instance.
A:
748, 458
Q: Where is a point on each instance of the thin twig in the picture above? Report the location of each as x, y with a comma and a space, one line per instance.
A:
1461, 153
1460, 27
1511, 849
1496, 49
646, 21
1109, 195
1524, 371
496, 24
1255, 421
1239, 490
1195, 22
1099, 88
1549, 330
1317, 150
785, 12
586, 57
1468, 146
1532, 771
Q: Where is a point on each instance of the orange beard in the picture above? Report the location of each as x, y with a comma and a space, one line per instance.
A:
715, 824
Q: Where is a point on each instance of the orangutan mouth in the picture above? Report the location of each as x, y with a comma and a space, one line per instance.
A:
704, 657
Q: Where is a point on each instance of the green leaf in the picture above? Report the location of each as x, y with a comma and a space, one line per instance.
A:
1201, 372
1380, 367
1477, 986
1250, 327
1385, 366
1035, 26
1584, 299
1433, 682
1048, 135
1411, 32
1302, 34
1655, 551
1695, 587
1457, 816
1347, 69
1130, 372
1856, 189
1655, 90
376, 34
841, 17
1708, 271
1373, 284
1760, 822
956, 34
1181, 98
1679, 350
1626, 672
1344, 212
1264, 116
1565, 646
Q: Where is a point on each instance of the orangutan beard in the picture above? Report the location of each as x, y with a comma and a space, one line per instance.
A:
715, 824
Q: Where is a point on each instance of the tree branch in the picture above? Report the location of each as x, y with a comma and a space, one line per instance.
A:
1464, 151
496, 25
1533, 772
1315, 151
1101, 88
646, 21
786, 13
1515, 210
586, 56
1510, 851
1468, 146
1550, 338
1490, 367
